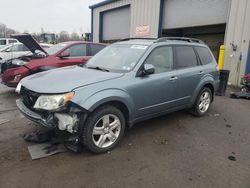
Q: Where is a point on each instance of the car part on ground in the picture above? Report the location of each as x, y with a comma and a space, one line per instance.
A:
127, 82
241, 94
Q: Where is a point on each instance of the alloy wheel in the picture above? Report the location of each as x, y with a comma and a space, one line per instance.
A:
106, 131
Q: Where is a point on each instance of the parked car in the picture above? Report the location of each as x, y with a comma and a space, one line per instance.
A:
125, 83
59, 55
17, 50
6, 41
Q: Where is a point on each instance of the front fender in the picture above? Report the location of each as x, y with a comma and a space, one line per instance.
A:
206, 79
108, 95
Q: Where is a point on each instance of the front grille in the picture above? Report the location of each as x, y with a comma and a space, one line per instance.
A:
29, 97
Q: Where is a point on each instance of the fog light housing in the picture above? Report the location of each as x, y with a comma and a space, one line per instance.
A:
17, 78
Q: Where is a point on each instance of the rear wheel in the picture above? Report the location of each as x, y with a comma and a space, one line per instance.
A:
203, 102
103, 129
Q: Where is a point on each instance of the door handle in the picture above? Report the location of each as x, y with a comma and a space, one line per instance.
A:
201, 72
173, 78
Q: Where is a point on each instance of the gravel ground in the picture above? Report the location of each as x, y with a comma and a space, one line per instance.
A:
176, 150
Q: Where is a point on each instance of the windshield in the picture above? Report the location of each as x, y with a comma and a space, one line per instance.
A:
54, 49
118, 57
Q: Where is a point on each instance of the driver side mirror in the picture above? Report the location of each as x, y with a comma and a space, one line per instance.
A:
63, 55
147, 70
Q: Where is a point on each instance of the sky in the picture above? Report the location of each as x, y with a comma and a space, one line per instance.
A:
51, 15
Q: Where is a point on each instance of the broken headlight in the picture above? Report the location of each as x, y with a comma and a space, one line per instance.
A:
53, 102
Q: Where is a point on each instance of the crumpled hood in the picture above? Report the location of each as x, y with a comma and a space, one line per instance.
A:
29, 42
65, 79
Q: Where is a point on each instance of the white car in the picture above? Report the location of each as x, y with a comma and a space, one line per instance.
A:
6, 41
16, 50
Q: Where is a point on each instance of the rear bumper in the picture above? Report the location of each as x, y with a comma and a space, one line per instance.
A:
32, 115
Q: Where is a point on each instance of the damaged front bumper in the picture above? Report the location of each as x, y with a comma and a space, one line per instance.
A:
61, 120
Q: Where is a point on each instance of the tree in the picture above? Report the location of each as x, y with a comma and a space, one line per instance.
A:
63, 36
74, 36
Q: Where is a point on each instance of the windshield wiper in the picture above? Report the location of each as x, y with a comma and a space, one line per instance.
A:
98, 68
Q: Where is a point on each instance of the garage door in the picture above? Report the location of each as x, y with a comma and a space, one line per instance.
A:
116, 24
189, 13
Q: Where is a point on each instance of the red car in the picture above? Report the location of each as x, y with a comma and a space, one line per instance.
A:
59, 55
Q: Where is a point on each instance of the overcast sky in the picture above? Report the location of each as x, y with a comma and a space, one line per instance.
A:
51, 15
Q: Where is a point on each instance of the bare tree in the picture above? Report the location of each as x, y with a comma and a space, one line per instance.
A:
63, 36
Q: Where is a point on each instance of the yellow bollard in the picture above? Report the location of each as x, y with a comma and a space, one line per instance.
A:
221, 57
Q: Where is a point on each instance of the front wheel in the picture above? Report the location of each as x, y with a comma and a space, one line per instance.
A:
203, 102
103, 129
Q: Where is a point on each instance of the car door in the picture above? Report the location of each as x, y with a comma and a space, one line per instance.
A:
189, 72
78, 54
155, 93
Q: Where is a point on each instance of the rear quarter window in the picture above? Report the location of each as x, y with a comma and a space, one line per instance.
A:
204, 54
185, 57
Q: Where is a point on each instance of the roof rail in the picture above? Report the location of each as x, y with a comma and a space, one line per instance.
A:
164, 39
137, 38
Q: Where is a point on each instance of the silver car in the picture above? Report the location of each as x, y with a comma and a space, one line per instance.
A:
127, 82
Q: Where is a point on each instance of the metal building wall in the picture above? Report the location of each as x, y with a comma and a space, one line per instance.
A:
143, 12
237, 33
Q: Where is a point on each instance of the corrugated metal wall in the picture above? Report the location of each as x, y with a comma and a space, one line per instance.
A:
143, 12
237, 33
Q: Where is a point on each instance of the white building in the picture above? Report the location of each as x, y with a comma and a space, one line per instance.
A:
216, 22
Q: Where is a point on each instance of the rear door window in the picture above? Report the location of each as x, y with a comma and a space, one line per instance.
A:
204, 55
185, 57
95, 48
77, 50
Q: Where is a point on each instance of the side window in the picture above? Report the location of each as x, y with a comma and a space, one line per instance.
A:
95, 48
185, 57
77, 50
3, 42
204, 55
161, 58
12, 41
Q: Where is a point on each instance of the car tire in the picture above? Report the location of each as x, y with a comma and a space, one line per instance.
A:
203, 102
103, 129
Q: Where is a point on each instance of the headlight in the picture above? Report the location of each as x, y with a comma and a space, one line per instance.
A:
18, 62
18, 88
53, 102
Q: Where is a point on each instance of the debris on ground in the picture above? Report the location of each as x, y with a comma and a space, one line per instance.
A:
240, 95
38, 151
228, 125
38, 136
232, 158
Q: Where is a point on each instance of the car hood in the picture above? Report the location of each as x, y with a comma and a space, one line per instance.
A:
29, 42
65, 79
